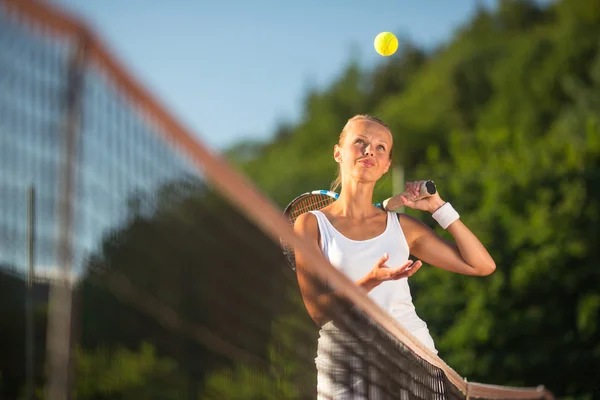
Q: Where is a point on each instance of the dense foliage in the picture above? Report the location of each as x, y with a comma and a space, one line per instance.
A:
505, 117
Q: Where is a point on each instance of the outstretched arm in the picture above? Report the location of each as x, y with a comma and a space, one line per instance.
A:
466, 256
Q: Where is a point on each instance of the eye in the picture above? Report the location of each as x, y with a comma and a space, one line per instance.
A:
381, 147
359, 141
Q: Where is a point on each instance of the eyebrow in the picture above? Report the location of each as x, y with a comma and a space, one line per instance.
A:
366, 137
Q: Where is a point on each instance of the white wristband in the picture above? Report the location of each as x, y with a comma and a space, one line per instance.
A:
445, 215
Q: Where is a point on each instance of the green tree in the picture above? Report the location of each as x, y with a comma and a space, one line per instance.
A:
190, 275
289, 372
121, 373
504, 116
535, 204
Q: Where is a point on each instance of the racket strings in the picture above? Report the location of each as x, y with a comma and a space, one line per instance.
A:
309, 203
305, 203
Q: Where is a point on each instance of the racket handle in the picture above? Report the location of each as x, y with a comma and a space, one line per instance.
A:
393, 203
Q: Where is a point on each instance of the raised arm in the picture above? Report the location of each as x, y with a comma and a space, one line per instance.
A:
466, 256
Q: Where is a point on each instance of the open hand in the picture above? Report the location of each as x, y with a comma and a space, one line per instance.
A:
381, 272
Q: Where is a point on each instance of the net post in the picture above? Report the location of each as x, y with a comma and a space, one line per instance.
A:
59, 338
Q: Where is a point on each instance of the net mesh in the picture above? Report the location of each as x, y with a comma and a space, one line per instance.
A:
154, 271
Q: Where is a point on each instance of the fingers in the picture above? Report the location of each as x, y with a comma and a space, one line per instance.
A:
381, 262
407, 270
394, 271
408, 189
414, 189
402, 268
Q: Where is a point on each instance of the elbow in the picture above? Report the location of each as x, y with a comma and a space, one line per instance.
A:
487, 269
318, 318
316, 314
320, 321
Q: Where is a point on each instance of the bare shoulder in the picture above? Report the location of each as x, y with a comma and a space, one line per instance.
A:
306, 225
412, 227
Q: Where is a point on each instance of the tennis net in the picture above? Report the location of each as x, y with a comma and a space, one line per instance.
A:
137, 264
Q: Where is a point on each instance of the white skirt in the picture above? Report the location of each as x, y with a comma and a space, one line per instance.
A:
351, 369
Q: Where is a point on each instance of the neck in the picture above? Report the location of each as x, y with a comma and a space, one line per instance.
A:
356, 200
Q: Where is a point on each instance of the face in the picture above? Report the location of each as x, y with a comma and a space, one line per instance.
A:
364, 153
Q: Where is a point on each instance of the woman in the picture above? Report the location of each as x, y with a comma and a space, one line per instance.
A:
372, 247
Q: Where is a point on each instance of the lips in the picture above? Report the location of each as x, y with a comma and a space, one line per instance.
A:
367, 163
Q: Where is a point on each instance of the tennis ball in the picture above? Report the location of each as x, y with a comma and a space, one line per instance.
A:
386, 43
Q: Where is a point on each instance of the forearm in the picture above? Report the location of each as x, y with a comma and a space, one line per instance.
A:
470, 248
326, 307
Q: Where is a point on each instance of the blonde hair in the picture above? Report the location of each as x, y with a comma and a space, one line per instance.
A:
337, 182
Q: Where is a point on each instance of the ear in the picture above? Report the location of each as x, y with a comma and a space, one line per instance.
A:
387, 167
337, 154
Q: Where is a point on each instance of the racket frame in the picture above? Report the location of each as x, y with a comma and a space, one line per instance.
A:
288, 252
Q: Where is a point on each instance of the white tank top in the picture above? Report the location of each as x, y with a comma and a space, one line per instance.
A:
357, 257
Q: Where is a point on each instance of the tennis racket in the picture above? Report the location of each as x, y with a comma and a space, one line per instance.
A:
317, 199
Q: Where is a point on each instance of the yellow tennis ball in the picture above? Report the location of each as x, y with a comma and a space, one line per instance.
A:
386, 43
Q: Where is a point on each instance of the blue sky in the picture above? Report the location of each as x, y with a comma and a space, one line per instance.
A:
230, 70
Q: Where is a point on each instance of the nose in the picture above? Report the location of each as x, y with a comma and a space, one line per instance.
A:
368, 150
